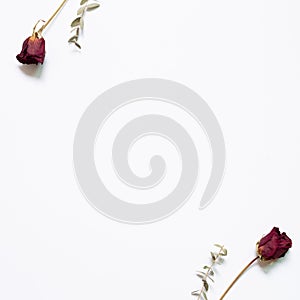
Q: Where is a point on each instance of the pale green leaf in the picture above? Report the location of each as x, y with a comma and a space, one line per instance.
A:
196, 293
81, 23
76, 22
220, 260
201, 274
81, 10
224, 252
204, 296
92, 6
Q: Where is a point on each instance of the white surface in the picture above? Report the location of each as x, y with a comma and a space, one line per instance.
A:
242, 57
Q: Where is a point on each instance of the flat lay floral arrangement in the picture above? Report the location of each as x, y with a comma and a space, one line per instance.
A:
269, 248
34, 49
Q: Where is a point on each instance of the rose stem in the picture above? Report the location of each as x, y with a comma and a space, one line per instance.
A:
240, 274
53, 16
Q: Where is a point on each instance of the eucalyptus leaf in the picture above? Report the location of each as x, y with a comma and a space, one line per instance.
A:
201, 274
73, 39
205, 284
81, 23
76, 29
76, 22
81, 10
196, 293
220, 260
77, 45
92, 6
224, 252
213, 256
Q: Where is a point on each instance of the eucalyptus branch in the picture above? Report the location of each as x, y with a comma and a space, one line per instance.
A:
78, 23
208, 272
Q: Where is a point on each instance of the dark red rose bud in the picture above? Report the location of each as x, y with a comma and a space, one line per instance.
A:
274, 245
33, 51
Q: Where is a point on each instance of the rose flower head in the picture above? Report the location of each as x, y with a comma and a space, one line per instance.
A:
33, 50
274, 245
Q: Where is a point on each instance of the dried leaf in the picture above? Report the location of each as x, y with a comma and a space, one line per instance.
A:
83, 2
213, 256
205, 284
75, 29
204, 296
73, 38
76, 22
92, 6
81, 10
201, 274
224, 252
77, 45
220, 260
81, 23
196, 293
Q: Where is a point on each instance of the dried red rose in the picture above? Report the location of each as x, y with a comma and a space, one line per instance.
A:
274, 245
33, 51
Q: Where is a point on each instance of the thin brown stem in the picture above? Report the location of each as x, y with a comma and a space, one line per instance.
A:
53, 16
240, 274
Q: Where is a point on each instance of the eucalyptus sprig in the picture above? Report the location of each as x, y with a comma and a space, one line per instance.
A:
207, 273
78, 23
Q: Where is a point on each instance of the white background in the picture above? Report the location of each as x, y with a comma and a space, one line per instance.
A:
242, 57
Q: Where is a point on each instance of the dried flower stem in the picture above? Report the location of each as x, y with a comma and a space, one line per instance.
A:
52, 17
239, 275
